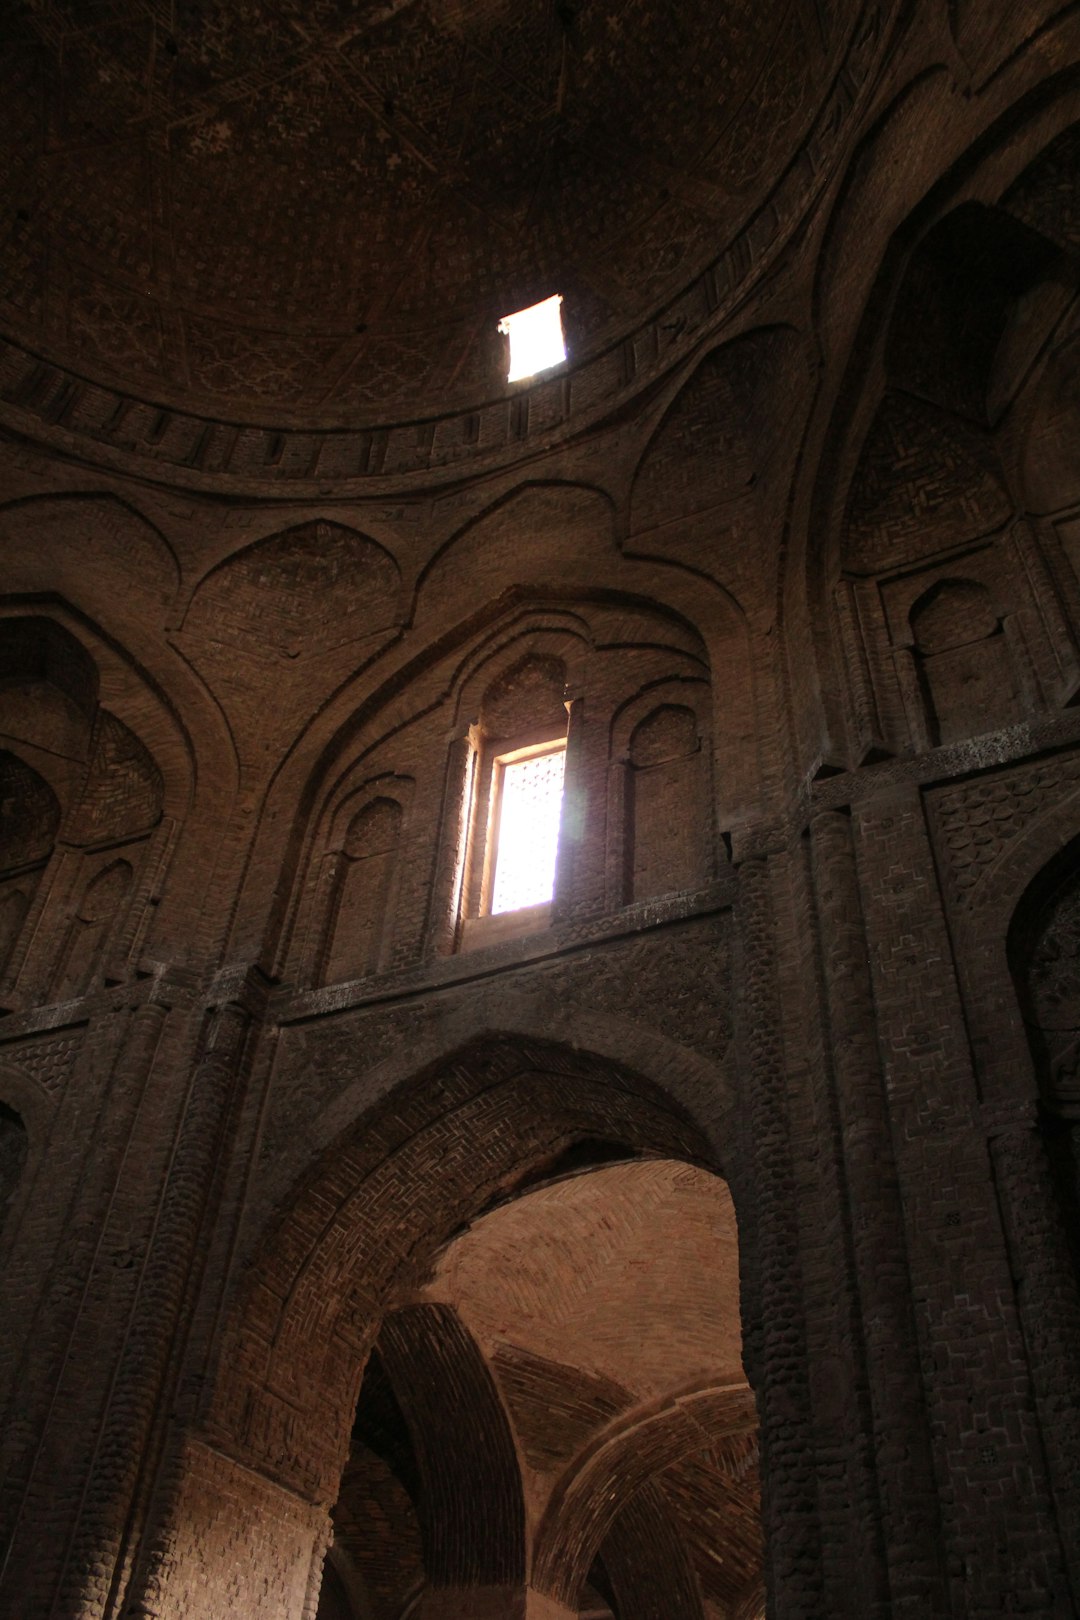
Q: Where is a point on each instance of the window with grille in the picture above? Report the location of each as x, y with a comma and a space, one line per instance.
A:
510, 853
527, 791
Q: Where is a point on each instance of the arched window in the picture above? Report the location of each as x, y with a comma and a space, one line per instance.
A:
523, 836
93, 930
666, 811
358, 934
518, 777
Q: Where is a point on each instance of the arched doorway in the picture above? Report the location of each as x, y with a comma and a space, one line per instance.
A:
1016, 965
491, 1136
566, 1399
1044, 958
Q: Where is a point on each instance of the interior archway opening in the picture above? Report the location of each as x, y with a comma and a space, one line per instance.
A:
1044, 953
556, 1422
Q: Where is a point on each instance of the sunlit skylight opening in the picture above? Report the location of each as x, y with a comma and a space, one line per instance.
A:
536, 338
527, 836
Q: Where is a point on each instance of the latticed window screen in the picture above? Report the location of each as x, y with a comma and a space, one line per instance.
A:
527, 836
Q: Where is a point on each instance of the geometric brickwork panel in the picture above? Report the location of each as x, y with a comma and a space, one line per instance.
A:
326, 207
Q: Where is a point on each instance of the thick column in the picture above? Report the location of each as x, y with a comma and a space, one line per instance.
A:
1042, 1266
901, 1448
1048, 1302
190, 1191
778, 1352
988, 1455
72, 1284
138, 1384
853, 1573
237, 1547
128, 1334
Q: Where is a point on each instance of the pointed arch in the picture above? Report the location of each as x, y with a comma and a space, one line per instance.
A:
526, 1101
472, 1506
630, 1451
93, 930
362, 886
534, 538
853, 709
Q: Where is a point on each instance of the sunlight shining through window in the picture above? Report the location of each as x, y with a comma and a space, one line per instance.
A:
528, 831
536, 338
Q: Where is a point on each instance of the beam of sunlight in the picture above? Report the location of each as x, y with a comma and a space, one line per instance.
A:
536, 338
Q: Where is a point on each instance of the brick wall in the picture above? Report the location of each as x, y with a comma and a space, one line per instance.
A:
808, 605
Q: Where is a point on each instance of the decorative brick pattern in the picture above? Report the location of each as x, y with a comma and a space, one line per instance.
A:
927, 481
390, 364
975, 821
314, 586
368, 138
950, 1210
776, 1336
471, 1501
48, 1061
554, 1408
228, 1518
706, 1245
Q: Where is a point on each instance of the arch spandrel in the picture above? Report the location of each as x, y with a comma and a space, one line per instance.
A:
275, 594
702, 1084
696, 495
63, 529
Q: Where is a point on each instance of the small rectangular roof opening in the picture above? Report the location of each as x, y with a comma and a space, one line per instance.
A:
536, 338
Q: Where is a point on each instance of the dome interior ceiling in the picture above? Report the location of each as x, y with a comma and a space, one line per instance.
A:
279, 208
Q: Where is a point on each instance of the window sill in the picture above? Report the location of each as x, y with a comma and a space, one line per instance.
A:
480, 931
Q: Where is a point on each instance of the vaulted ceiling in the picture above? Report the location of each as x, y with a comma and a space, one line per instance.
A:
272, 209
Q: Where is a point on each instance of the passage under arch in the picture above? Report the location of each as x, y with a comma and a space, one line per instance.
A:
1044, 958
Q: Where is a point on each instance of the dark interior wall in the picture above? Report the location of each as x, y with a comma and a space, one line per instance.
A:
812, 598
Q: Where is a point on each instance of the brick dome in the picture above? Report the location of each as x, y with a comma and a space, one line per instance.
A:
285, 212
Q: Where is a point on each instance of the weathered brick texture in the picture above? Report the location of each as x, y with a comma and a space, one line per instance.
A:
702, 1243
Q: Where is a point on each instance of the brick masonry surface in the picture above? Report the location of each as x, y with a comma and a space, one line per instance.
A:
702, 1243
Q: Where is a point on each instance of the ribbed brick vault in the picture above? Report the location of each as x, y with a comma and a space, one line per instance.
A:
518, 1433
